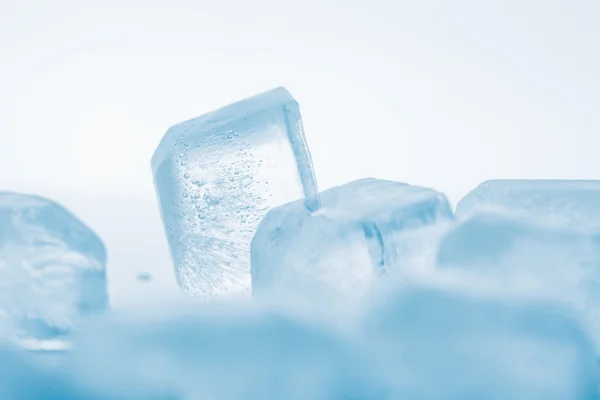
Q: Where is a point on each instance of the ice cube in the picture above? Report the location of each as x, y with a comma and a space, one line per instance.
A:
363, 229
569, 202
502, 251
444, 344
52, 267
217, 175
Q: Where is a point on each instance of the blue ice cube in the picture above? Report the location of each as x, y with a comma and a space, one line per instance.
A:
363, 229
436, 343
570, 202
494, 239
52, 267
505, 251
217, 175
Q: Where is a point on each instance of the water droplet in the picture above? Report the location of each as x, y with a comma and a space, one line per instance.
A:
235, 133
184, 163
144, 277
201, 216
231, 179
185, 195
186, 175
243, 220
229, 136
236, 172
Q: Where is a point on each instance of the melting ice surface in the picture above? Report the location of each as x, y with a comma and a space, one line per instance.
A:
52, 268
363, 229
217, 175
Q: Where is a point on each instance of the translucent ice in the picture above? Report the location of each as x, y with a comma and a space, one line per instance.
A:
217, 175
52, 267
223, 353
363, 229
444, 344
571, 202
421, 343
503, 251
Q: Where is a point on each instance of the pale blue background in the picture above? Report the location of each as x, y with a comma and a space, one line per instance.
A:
438, 93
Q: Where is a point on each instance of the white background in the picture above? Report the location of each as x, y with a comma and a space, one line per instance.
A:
443, 94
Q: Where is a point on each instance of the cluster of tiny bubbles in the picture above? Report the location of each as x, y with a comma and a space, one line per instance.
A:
231, 134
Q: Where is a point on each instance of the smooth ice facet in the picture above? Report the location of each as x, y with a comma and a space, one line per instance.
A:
52, 267
363, 229
571, 202
217, 175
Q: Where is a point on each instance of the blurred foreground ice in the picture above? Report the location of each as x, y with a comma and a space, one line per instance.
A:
420, 341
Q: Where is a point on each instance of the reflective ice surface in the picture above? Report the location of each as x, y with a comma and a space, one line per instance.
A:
217, 175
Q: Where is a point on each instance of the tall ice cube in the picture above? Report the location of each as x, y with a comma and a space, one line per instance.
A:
217, 175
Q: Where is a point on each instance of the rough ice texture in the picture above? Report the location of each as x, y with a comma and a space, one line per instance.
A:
52, 267
217, 175
363, 229
571, 202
